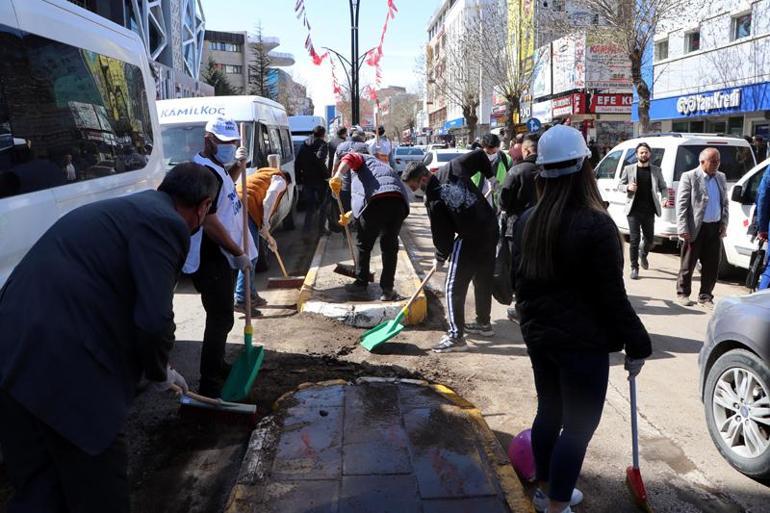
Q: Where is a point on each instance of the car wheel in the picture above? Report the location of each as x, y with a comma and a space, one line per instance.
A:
263, 260
737, 403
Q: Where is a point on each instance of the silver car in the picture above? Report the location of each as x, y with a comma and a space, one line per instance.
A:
735, 382
403, 155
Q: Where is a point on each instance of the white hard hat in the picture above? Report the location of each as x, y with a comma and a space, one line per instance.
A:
225, 130
561, 143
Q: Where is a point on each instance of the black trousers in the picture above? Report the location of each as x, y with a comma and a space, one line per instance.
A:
381, 218
215, 280
707, 248
470, 261
51, 475
644, 223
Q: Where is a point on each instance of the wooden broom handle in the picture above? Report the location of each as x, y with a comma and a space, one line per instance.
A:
246, 275
347, 233
197, 397
417, 292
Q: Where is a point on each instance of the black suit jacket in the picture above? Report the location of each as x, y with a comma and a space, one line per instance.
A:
89, 310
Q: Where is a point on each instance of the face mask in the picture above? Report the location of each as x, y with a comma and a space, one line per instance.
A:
225, 153
491, 156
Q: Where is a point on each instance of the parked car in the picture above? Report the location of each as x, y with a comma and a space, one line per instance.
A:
403, 155
735, 382
675, 154
434, 159
738, 244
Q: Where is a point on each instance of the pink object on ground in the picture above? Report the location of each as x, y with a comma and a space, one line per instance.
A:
521, 456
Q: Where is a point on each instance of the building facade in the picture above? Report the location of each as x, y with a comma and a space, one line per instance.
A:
710, 72
445, 29
172, 32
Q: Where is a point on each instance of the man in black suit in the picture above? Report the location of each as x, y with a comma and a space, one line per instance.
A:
83, 317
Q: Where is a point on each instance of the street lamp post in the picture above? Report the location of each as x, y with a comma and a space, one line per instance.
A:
354, 67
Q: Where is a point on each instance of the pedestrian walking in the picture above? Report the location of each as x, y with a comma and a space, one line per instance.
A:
702, 213
340, 137
762, 216
595, 155
266, 187
215, 253
574, 312
644, 187
465, 232
517, 194
311, 172
380, 203
71, 358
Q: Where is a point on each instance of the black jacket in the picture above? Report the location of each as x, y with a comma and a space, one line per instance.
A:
310, 164
456, 207
333, 145
586, 307
518, 191
88, 310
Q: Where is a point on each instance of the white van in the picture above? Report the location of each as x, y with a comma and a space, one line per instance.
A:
302, 126
77, 118
737, 243
182, 124
674, 153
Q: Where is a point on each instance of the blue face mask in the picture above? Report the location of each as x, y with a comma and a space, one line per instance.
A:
225, 153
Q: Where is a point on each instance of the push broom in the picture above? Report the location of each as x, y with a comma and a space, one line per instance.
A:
633, 474
248, 363
343, 269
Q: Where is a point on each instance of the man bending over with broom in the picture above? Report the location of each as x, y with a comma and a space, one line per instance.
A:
380, 203
71, 357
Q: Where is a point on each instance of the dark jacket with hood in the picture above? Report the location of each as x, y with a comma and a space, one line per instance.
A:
518, 191
310, 165
585, 307
456, 206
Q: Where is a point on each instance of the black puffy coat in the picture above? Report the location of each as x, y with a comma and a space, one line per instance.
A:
586, 306
518, 191
310, 164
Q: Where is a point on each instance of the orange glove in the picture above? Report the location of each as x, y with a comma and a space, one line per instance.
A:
345, 218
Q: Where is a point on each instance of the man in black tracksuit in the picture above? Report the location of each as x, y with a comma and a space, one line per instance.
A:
464, 229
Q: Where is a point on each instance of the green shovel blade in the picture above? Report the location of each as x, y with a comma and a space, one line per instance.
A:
382, 332
244, 372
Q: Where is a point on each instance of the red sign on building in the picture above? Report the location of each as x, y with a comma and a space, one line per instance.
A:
611, 103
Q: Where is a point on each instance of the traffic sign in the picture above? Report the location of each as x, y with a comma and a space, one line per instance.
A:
533, 124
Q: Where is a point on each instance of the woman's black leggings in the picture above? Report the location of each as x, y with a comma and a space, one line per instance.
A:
571, 387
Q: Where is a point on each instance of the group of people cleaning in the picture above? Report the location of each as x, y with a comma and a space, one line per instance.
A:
71, 357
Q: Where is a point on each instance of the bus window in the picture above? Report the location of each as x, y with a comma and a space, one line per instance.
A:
67, 114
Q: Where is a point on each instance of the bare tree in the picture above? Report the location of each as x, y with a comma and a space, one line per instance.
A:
259, 68
401, 115
633, 24
503, 61
455, 74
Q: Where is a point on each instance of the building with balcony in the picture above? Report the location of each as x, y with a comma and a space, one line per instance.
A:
172, 32
710, 71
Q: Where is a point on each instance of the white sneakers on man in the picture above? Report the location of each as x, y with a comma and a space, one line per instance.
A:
540, 501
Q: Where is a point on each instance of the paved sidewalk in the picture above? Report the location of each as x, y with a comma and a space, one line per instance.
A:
323, 291
377, 446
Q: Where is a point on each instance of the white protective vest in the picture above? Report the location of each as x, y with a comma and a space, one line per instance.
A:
230, 213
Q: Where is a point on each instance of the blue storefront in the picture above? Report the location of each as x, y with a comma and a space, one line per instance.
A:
740, 110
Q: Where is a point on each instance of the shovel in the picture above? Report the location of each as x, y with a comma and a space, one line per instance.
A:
389, 329
246, 366
633, 475
343, 269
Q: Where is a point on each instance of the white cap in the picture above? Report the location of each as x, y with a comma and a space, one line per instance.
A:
224, 129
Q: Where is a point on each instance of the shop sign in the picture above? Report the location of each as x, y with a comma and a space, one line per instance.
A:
704, 103
611, 103
567, 105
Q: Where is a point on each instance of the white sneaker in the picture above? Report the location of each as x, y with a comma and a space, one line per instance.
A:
540, 501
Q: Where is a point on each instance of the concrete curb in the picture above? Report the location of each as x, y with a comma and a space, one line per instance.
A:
361, 315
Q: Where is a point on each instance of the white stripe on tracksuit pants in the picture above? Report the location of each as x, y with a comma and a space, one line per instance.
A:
472, 261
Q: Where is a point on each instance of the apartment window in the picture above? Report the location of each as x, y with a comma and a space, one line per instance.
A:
741, 26
692, 41
224, 47
233, 69
661, 50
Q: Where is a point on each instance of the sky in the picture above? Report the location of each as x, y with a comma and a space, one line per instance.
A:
330, 26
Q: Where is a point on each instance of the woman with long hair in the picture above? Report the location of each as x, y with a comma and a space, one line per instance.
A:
574, 311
